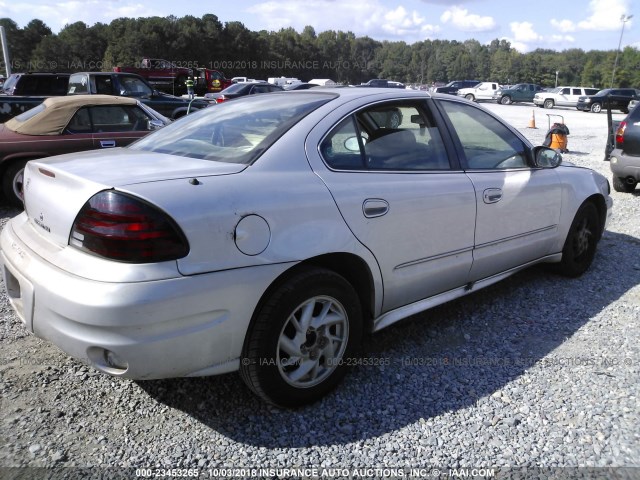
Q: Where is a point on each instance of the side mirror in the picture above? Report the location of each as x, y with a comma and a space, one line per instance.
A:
351, 144
545, 157
155, 125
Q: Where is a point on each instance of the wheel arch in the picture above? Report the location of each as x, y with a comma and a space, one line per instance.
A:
353, 268
601, 206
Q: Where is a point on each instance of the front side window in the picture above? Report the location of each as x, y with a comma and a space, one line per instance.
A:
486, 142
134, 87
392, 136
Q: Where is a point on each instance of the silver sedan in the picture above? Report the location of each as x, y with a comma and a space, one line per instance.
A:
269, 234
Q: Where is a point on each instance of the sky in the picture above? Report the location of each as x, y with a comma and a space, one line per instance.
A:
526, 24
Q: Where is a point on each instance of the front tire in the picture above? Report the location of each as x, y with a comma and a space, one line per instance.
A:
470, 97
596, 108
505, 100
548, 103
12, 183
301, 336
580, 246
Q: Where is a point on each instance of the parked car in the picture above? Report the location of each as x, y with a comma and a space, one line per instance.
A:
242, 89
69, 124
132, 85
268, 234
562, 96
624, 160
452, 87
521, 92
382, 83
614, 98
36, 84
300, 86
482, 91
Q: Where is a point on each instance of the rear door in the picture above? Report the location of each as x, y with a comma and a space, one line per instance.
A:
400, 195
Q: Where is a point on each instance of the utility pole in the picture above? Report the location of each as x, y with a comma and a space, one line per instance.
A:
624, 19
5, 51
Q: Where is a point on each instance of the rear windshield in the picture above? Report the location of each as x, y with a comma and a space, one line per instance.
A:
238, 131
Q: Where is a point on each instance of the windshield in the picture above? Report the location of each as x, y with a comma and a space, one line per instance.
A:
236, 87
555, 90
234, 132
604, 92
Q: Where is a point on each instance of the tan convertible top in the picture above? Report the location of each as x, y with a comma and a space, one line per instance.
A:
58, 112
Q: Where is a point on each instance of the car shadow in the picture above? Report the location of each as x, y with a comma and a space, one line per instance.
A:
440, 361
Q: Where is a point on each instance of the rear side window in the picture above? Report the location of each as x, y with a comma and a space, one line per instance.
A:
393, 136
42, 85
233, 132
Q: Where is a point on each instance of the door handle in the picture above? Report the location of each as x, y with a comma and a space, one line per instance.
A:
107, 143
375, 207
492, 195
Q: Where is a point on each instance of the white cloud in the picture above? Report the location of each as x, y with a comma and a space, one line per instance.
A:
523, 32
605, 15
362, 19
463, 20
58, 14
563, 25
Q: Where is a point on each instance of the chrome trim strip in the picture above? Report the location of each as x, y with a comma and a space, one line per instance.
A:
514, 237
435, 257
400, 313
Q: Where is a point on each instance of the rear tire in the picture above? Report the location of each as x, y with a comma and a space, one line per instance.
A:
12, 183
620, 185
582, 240
301, 337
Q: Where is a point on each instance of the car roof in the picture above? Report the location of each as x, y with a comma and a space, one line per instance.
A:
58, 112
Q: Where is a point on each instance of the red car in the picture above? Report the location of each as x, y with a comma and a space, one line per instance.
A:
69, 124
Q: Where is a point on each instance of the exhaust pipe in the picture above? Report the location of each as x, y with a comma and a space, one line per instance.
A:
631, 180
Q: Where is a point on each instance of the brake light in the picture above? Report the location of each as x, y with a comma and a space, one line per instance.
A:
221, 99
117, 69
620, 134
120, 227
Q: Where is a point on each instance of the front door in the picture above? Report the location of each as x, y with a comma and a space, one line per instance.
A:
518, 206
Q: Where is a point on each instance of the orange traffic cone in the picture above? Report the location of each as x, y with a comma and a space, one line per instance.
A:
532, 122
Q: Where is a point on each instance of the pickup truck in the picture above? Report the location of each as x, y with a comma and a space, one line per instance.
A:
452, 87
132, 85
482, 91
107, 83
23, 91
522, 92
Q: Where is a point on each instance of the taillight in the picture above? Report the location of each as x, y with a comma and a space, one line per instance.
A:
221, 99
120, 227
620, 134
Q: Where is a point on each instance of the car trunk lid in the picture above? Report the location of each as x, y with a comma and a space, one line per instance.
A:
56, 188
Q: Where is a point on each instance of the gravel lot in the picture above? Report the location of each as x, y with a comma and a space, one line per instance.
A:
535, 371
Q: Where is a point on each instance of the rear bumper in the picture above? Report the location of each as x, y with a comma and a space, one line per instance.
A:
624, 166
182, 326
